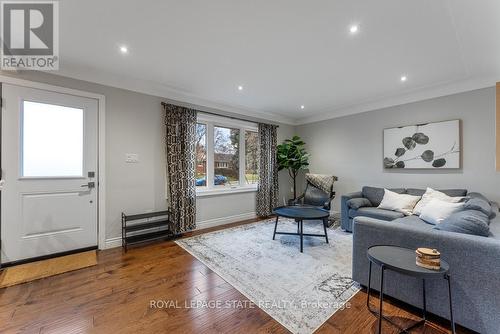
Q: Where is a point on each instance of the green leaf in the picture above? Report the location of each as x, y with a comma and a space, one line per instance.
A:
292, 155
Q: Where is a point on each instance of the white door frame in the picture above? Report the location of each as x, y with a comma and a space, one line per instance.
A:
101, 158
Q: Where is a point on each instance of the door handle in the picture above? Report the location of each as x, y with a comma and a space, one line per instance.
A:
89, 185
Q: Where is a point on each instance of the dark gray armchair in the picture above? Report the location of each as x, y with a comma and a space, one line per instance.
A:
316, 196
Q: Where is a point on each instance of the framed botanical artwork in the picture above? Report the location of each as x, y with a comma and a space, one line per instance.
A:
423, 146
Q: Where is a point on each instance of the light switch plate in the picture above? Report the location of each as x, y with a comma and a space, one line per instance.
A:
131, 158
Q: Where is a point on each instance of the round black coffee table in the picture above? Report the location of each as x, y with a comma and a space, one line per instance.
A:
402, 260
301, 213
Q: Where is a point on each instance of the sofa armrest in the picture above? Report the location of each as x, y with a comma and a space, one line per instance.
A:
474, 267
464, 250
344, 209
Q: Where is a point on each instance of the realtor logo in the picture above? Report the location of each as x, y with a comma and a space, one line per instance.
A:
30, 35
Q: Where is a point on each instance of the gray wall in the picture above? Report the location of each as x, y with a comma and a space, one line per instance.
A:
351, 146
135, 124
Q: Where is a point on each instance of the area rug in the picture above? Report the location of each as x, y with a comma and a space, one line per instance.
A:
299, 290
40, 269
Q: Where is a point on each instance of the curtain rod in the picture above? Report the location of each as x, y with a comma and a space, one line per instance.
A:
220, 115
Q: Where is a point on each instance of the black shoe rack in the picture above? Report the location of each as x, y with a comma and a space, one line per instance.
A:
145, 227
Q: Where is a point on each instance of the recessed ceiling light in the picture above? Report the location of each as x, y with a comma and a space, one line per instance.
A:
404, 78
123, 49
240, 88
353, 29
302, 107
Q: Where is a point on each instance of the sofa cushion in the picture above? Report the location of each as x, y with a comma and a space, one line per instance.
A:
493, 206
495, 228
477, 195
375, 213
480, 204
467, 221
415, 192
454, 192
375, 194
414, 222
449, 192
356, 203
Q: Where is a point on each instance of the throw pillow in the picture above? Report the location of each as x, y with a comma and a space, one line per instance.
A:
431, 194
437, 210
398, 202
375, 195
477, 195
480, 204
356, 203
468, 221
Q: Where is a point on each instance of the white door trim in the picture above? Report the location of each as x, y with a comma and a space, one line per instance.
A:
101, 189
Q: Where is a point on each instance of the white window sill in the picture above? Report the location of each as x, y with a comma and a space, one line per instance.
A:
224, 191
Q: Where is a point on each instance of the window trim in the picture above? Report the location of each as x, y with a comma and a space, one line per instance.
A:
206, 192
212, 121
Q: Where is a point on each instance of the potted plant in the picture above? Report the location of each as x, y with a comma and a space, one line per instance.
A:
293, 157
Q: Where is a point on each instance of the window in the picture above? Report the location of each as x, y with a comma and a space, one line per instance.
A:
52, 140
226, 154
201, 155
251, 157
226, 157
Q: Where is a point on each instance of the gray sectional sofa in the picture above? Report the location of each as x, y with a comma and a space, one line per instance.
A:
474, 260
374, 195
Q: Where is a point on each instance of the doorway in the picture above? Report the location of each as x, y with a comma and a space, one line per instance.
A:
50, 150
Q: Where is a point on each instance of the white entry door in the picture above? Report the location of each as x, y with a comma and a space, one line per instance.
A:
49, 168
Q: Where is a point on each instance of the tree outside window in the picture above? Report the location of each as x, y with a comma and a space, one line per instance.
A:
226, 156
251, 157
201, 154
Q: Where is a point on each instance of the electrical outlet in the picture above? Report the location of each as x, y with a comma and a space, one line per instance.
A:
131, 158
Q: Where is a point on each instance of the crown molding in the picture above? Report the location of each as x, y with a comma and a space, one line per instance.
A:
191, 100
169, 93
424, 93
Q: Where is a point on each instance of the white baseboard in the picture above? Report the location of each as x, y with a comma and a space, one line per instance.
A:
224, 220
117, 241
113, 242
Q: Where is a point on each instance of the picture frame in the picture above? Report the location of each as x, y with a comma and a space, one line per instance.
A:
435, 145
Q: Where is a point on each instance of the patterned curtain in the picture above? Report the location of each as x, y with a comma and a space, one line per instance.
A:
180, 151
267, 193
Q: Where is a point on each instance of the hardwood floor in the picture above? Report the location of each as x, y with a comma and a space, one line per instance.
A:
115, 297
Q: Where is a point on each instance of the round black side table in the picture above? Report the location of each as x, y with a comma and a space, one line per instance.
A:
402, 260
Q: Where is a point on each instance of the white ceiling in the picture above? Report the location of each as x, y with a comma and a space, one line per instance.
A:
285, 53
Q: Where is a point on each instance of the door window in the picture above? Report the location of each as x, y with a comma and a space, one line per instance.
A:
52, 140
